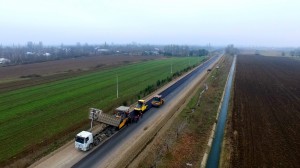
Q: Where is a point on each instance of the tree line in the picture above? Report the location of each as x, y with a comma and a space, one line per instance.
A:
32, 53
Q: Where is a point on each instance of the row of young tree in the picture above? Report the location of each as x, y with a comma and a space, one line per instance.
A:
231, 50
178, 50
295, 52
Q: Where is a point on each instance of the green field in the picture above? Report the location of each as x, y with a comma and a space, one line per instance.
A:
29, 116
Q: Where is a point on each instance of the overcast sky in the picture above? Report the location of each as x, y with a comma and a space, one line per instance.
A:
219, 22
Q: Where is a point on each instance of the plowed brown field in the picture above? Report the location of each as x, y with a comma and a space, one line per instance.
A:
266, 112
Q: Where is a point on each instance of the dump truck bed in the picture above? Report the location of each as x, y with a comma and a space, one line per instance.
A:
99, 116
109, 119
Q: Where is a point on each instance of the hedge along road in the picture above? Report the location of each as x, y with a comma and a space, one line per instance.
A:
32, 115
104, 155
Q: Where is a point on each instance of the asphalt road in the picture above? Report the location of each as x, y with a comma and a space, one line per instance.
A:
102, 152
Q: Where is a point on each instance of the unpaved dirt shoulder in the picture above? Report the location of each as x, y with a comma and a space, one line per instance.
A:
59, 159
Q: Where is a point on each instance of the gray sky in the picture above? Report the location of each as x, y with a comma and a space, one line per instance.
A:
219, 22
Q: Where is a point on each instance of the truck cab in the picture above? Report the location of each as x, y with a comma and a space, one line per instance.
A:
141, 106
84, 141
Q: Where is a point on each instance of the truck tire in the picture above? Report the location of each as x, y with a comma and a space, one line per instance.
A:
97, 141
108, 133
90, 146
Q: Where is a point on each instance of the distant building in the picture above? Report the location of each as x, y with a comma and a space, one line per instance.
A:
103, 50
47, 54
4, 61
29, 53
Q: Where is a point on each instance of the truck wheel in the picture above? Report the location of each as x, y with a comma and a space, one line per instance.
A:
96, 142
90, 146
108, 133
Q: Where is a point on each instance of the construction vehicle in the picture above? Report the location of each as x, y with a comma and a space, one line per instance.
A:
122, 112
139, 109
157, 101
141, 106
85, 140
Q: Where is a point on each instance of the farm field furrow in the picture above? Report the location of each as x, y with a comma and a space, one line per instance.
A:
266, 112
38, 113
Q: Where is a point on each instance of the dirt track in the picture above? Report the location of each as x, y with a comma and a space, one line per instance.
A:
266, 113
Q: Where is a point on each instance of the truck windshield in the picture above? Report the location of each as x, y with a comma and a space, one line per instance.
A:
139, 105
156, 99
79, 139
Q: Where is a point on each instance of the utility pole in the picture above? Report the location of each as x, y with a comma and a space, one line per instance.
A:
171, 67
117, 86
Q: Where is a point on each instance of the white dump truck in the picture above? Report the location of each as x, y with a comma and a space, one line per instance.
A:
85, 140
